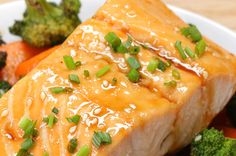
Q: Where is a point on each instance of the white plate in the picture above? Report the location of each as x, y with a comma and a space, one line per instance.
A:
221, 35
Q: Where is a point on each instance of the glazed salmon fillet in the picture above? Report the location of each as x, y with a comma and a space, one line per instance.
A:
145, 118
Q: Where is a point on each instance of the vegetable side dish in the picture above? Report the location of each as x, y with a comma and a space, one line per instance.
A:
133, 80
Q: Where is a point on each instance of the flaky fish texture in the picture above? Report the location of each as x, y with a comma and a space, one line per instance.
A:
145, 118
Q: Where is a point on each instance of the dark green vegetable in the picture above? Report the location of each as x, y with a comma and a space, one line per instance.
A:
134, 76
180, 49
152, 65
231, 110
101, 138
200, 47
3, 59
47, 24
192, 32
113, 40
161, 65
133, 63
84, 151
4, 87
27, 144
23, 152
103, 71
74, 78
69, 62
211, 142
74, 119
86, 73
114, 81
72, 145
55, 110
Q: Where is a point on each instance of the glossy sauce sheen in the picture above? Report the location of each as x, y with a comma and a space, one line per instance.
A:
122, 108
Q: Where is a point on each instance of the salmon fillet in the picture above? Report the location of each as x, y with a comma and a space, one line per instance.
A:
143, 119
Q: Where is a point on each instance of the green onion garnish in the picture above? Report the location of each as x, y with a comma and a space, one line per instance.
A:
171, 83
168, 63
189, 52
25, 123
134, 50
133, 63
152, 65
69, 62
45, 153
74, 78
86, 73
178, 46
176, 74
102, 71
23, 152
122, 49
200, 47
58, 90
27, 144
128, 43
100, 138
55, 110
51, 120
74, 119
72, 145
113, 40
192, 32
114, 81
134, 75
78, 63
161, 65
83, 151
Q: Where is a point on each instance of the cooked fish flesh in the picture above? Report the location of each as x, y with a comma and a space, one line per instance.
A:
146, 118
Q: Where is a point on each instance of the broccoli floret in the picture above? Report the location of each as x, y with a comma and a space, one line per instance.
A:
4, 87
211, 142
46, 24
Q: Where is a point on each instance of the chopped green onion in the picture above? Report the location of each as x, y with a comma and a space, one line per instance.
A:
200, 47
72, 145
176, 74
29, 129
122, 49
113, 40
189, 52
161, 65
192, 32
74, 119
134, 75
100, 138
168, 63
55, 110
69, 62
171, 83
51, 120
23, 152
25, 123
74, 78
128, 43
152, 66
114, 81
58, 90
86, 73
102, 71
134, 50
27, 144
78, 63
83, 151
133, 63
178, 46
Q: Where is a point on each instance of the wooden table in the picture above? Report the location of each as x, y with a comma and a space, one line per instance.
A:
221, 11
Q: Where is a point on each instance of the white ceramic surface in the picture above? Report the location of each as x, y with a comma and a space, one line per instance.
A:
221, 35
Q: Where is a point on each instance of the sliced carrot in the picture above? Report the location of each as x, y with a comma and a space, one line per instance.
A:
26, 66
17, 52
